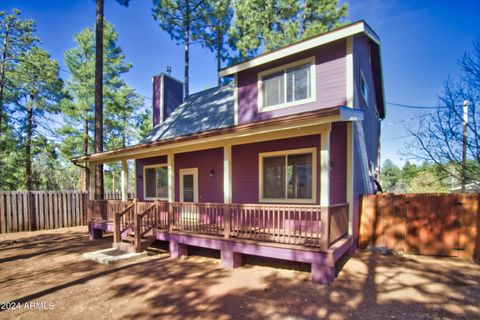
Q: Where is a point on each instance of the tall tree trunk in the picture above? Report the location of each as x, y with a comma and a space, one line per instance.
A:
187, 44
124, 132
219, 53
99, 188
28, 147
2, 76
86, 171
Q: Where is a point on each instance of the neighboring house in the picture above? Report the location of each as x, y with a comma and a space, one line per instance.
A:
291, 142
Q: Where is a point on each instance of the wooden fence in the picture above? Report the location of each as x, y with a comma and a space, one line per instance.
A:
37, 210
117, 195
431, 224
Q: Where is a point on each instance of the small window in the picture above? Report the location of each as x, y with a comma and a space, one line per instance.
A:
288, 176
364, 87
273, 89
156, 182
286, 86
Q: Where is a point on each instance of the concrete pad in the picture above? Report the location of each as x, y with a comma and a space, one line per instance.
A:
110, 256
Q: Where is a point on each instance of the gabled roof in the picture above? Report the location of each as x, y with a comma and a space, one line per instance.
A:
303, 45
203, 111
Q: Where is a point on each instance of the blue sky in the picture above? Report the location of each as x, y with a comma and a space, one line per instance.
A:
421, 43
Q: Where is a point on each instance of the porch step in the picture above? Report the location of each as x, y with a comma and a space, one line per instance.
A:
112, 255
128, 244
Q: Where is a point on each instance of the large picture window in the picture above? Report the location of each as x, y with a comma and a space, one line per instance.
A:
286, 86
156, 181
288, 176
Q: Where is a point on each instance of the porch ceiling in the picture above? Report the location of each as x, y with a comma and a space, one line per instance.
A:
270, 129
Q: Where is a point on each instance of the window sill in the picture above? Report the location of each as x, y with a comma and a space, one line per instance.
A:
285, 105
293, 201
161, 199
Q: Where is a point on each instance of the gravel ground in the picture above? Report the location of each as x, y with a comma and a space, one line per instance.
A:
45, 274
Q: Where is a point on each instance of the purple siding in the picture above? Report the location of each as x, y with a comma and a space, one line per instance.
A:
338, 160
210, 189
139, 163
245, 165
366, 133
330, 83
172, 96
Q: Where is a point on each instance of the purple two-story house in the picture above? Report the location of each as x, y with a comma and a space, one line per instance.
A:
271, 164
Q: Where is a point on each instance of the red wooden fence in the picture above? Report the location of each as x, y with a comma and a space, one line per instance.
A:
431, 224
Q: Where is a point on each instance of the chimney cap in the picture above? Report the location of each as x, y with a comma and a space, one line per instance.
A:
163, 74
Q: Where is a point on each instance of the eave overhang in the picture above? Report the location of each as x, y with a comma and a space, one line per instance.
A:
359, 27
296, 121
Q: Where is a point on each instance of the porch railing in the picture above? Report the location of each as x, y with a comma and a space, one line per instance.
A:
306, 225
124, 221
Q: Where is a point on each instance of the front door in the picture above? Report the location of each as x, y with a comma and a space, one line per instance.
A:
189, 185
189, 193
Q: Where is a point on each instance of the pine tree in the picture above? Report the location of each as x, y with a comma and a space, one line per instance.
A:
271, 24
16, 37
214, 37
99, 56
122, 104
182, 20
41, 92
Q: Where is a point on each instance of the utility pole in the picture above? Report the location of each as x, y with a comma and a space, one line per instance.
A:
464, 151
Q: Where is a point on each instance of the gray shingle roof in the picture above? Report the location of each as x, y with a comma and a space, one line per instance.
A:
203, 111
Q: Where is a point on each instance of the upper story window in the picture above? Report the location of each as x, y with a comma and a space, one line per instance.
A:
287, 85
363, 87
155, 182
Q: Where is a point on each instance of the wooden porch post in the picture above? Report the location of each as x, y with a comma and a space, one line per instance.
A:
137, 228
171, 188
227, 221
227, 174
124, 180
350, 176
325, 167
325, 228
91, 187
116, 227
171, 176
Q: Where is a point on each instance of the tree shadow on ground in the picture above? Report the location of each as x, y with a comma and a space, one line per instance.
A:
368, 287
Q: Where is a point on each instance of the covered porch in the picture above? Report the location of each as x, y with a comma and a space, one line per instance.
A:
305, 233
278, 189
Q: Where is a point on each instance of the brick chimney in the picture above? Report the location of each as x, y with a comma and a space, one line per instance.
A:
167, 96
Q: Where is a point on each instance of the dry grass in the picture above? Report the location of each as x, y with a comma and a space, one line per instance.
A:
48, 267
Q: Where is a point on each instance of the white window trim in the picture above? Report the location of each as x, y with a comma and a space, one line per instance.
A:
262, 155
313, 89
194, 172
151, 166
362, 77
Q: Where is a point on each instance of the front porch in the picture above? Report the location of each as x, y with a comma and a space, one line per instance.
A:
305, 233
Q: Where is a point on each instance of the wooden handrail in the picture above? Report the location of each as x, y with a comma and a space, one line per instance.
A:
121, 213
117, 228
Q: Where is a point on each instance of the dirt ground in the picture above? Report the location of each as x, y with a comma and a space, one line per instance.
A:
45, 270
